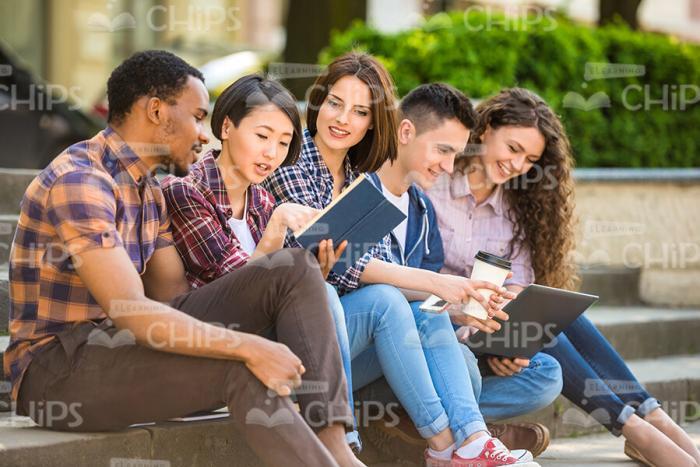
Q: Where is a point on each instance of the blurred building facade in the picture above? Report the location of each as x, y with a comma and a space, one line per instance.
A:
677, 17
76, 43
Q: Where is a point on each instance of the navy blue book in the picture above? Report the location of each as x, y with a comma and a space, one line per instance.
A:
360, 214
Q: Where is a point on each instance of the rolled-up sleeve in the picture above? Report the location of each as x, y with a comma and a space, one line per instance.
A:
82, 206
165, 233
350, 279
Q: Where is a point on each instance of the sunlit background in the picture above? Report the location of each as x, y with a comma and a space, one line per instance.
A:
634, 134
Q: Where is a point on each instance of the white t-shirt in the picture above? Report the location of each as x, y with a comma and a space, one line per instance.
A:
242, 231
401, 202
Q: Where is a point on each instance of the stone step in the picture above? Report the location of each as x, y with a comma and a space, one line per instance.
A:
8, 224
616, 286
13, 184
675, 380
644, 332
4, 300
4, 383
168, 444
600, 450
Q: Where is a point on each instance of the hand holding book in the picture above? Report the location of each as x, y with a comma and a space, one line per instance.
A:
294, 216
327, 256
360, 215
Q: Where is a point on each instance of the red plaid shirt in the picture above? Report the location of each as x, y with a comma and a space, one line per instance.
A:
200, 210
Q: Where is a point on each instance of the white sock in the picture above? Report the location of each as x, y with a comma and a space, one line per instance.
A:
445, 454
473, 448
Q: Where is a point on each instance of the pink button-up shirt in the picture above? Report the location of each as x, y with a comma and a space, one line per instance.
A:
466, 228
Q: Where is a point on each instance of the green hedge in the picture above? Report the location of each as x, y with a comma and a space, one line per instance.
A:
481, 53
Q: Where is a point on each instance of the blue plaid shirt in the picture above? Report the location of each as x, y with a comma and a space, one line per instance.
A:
309, 182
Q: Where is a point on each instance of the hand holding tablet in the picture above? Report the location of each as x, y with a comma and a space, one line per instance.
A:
537, 316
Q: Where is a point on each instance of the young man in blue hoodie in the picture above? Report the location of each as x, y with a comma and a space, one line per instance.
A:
435, 125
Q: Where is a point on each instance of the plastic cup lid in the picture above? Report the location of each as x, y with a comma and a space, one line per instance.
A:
494, 260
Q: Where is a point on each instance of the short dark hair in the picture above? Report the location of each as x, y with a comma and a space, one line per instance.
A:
429, 105
154, 73
249, 92
380, 143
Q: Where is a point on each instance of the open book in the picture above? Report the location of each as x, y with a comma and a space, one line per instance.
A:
360, 214
196, 417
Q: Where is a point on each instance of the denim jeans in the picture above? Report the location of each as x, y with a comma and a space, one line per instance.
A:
502, 397
341, 331
499, 397
420, 357
596, 378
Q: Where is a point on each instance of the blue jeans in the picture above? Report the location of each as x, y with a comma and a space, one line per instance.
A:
596, 378
419, 355
499, 397
341, 332
534, 388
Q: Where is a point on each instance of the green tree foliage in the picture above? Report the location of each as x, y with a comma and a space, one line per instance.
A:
612, 122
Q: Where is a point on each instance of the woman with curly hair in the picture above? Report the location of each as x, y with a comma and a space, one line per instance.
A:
514, 198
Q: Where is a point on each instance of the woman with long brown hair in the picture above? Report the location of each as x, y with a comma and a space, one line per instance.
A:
514, 198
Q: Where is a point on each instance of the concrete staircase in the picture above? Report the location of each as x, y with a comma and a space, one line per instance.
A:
660, 345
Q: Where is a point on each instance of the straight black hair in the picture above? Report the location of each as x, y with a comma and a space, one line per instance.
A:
248, 93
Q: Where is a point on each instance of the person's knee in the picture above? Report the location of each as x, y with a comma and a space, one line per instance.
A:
288, 263
295, 272
434, 323
241, 386
337, 310
436, 331
473, 368
549, 378
301, 256
388, 302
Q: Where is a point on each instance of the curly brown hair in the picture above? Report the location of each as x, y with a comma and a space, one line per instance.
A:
541, 201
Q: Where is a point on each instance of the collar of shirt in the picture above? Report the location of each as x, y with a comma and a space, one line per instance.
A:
459, 187
126, 158
313, 161
206, 175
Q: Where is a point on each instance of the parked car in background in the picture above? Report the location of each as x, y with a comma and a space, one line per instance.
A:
37, 120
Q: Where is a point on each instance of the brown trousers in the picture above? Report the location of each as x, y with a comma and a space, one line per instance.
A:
82, 383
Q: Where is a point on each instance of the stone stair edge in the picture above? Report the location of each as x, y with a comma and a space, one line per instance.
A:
173, 440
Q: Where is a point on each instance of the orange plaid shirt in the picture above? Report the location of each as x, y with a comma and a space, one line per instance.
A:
96, 194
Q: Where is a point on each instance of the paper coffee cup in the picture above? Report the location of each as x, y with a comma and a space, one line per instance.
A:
489, 268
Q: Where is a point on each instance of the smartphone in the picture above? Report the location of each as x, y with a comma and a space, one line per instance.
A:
434, 304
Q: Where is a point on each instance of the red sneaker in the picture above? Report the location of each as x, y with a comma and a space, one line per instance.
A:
495, 454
